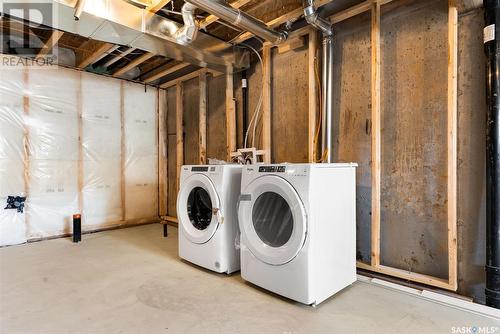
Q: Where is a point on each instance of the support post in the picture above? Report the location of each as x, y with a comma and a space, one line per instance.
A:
266, 103
179, 109
202, 144
230, 116
376, 133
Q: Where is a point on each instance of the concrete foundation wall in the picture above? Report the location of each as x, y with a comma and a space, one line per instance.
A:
414, 116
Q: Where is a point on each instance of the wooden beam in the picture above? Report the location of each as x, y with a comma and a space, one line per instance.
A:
157, 5
212, 18
94, 56
168, 70
376, 133
407, 275
313, 95
230, 117
203, 119
119, 56
452, 141
188, 76
351, 11
179, 126
291, 44
139, 60
266, 102
162, 153
54, 37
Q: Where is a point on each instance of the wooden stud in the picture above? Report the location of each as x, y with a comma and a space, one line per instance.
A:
139, 60
313, 95
376, 133
26, 157
452, 141
53, 39
230, 117
123, 158
162, 153
203, 119
91, 58
266, 102
168, 70
79, 103
179, 110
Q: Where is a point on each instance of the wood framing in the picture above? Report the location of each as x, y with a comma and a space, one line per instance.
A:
230, 117
376, 133
266, 102
452, 141
123, 149
94, 56
26, 156
313, 95
157, 5
119, 56
179, 129
79, 111
168, 70
452, 126
290, 16
189, 76
53, 39
162, 153
139, 60
212, 18
202, 138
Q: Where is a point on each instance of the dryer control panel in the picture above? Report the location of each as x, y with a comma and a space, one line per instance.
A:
272, 169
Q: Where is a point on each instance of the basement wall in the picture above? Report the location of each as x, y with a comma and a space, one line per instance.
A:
414, 109
74, 142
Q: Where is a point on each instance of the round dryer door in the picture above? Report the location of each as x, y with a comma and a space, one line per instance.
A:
198, 208
272, 220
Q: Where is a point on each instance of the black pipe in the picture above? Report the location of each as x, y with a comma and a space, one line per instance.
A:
244, 102
492, 49
77, 228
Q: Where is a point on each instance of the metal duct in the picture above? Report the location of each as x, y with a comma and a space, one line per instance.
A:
119, 22
325, 27
236, 17
492, 50
187, 33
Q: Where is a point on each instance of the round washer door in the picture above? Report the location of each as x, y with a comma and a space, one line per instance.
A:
198, 208
272, 220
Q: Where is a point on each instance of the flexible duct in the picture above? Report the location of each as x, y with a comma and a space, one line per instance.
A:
325, 27
236, 17
492, 50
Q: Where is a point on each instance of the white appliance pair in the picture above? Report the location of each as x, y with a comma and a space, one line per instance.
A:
297, 224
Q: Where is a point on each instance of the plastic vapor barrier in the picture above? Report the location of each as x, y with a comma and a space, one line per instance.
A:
73, 142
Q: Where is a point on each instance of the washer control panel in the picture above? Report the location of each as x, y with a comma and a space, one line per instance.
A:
272, 169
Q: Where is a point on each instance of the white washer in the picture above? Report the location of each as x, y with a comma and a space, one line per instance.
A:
207, 213
298, 229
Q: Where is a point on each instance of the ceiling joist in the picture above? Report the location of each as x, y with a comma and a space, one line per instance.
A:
53, 39
95, 55
165, 72
139, 60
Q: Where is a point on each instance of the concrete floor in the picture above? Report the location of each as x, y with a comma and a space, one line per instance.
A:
131, 281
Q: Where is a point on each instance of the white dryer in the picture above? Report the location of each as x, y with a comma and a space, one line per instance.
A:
298, 229
207, 213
